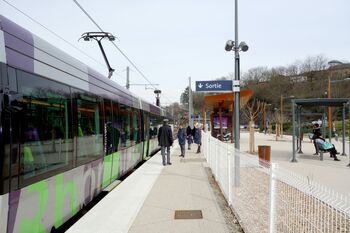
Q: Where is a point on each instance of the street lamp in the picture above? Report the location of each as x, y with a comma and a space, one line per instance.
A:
157, 92
236, 46
277, 119
283, 97
265, 120
331, 63
329, 108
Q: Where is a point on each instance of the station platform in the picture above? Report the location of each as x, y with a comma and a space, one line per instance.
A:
146, 201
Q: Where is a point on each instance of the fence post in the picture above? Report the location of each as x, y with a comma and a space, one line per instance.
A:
272, 200
207, 149
229, 174
216, 160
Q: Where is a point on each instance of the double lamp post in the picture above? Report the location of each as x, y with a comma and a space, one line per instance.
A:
236, 47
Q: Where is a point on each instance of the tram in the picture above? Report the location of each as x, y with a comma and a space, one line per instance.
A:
66, 132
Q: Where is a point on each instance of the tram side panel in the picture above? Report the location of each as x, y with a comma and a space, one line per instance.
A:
53, 159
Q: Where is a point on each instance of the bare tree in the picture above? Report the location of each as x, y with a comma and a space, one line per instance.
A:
315, 63
251, 112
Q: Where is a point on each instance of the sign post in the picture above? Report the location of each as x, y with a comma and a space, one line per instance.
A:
214, 86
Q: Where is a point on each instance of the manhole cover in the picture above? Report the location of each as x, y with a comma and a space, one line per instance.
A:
193, 160
188, 214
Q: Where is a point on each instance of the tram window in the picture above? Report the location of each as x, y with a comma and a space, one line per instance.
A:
125, 125
146, 126
2, 76
43, 117
89, 126
108, 127
155, 122
116, 127
135, 126
12, 81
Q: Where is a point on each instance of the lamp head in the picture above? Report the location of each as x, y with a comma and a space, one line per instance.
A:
243, 46
111, 38
229, 45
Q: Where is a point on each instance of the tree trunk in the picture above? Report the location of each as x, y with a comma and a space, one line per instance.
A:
251, 137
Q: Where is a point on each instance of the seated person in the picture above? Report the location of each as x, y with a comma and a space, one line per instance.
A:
323, 145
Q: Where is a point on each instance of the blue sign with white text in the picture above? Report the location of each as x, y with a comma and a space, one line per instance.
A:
214, 86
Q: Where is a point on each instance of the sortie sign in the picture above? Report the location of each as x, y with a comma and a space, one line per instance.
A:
214, 86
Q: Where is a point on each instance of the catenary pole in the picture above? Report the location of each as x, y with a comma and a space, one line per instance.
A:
190, 103
235, 117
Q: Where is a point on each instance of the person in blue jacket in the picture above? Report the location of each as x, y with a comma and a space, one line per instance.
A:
197, 136
181, 136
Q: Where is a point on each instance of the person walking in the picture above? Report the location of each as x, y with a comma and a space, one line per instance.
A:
181, 136
189, 137
197, 135
165, 141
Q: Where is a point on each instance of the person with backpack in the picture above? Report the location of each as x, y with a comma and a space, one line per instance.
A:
189, 137
181, 136
197, 136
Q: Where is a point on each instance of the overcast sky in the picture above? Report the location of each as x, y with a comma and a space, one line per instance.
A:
170, 41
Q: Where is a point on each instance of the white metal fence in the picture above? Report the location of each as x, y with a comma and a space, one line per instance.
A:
269, 198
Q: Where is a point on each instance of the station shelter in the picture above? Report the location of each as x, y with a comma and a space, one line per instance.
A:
221, 108
297, 107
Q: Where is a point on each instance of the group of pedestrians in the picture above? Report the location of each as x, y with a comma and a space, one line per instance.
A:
191, 136
165, 139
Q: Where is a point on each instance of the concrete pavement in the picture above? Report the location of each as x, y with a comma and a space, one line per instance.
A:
330, 173
182, 186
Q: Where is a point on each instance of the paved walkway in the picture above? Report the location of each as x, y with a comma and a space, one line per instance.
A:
182, 186
146, 201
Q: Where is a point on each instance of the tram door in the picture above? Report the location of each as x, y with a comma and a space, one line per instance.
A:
10, 141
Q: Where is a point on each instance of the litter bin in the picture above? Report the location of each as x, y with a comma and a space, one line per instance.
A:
264, 155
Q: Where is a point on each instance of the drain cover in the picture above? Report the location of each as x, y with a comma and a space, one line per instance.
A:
188, 214
198, 160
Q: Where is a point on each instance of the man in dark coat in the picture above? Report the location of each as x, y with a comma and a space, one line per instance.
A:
316, 131
165, 141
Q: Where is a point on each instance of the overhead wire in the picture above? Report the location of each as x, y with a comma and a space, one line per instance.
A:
51, 31
124, 55
81, 51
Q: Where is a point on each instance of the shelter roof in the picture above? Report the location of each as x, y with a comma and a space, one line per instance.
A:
332, 102
225, 100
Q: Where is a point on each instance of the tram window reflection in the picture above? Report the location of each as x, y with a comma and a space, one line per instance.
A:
125, 124
43, 116
90, 137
